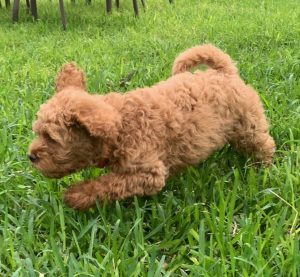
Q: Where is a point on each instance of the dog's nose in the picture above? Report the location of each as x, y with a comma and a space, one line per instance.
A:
32, 157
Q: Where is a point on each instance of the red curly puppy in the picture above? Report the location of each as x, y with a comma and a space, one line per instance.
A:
147, 134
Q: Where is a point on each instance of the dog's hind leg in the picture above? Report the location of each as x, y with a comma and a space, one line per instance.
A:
258, 144
250, 134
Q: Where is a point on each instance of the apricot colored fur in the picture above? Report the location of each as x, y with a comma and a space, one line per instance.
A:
147, 134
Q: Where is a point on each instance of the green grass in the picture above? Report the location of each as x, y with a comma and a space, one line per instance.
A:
225, 217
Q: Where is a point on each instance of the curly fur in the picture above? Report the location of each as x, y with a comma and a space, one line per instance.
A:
147, 134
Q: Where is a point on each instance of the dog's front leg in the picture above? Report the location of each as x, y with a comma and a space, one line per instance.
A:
116, 186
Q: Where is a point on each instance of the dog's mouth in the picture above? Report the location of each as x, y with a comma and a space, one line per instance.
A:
54, 175
51, 174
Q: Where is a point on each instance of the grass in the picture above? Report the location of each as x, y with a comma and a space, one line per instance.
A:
225, 217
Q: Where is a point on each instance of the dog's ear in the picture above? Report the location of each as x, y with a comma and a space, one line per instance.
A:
99, 118
70, 76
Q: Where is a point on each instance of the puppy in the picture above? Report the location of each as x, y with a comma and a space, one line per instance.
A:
147, 134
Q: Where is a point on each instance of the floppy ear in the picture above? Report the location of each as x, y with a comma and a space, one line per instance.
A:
70, 75
98, 117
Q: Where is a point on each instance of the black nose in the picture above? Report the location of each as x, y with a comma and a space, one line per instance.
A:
32, 157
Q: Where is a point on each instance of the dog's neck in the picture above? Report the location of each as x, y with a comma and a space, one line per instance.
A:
102, 163
103, 156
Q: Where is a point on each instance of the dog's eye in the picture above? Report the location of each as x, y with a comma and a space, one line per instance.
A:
49, 138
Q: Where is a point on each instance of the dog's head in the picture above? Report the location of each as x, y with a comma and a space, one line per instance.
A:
73, 128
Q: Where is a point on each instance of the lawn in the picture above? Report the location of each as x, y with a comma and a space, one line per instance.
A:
225, 217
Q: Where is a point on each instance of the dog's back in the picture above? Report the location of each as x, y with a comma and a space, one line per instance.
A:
190, 115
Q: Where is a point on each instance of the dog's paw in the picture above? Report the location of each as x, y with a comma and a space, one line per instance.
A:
80, 197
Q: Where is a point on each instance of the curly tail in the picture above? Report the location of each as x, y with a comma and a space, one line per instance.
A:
204, 54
